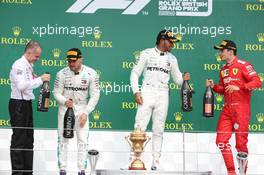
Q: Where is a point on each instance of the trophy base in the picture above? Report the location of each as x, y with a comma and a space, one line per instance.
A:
137, 164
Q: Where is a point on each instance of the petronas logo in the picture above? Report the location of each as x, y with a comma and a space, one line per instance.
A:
16, 31
261, 36
261, 76
97, 35
260, 117
178, 116
56, 53
96, 114
219, 98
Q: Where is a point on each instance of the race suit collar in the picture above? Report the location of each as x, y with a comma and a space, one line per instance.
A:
77, 73
30, 65
233, 62
160, 52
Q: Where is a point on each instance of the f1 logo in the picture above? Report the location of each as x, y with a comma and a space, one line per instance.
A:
132, 7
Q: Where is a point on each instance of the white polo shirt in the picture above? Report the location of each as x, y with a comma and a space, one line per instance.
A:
23, 80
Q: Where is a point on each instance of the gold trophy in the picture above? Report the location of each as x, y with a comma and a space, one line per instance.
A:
136, 140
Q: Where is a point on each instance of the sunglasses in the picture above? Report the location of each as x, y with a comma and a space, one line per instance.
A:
71, 61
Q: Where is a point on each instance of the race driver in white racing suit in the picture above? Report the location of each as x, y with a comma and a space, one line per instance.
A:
80, 84
156, 64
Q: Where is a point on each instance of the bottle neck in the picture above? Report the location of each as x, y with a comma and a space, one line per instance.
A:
186, 83
45, 82
209, 89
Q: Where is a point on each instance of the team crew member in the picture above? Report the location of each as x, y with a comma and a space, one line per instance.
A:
23, 81
237, 80
156, 64
79, 83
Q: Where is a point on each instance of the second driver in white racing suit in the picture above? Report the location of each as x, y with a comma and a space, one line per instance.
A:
80, 84
156, 64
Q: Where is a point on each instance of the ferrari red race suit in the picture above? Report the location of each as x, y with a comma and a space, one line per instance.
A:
235, 115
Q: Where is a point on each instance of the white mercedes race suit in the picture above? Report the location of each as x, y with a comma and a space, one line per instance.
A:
83, 89
156, 68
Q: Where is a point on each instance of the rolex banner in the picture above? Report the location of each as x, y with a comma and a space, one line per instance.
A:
111, 35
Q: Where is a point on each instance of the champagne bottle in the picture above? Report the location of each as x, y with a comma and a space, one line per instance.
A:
44, 97
208, 102
69, 121
186, 96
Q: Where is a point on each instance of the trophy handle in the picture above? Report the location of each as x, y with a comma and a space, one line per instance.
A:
148, 139
127, 139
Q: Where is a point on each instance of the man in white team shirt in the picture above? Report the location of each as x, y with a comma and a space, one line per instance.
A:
75, 86
23, 81
156, 64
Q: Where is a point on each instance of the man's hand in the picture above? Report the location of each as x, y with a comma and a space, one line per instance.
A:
82, 120
138, 98
231, 88
209, 82
186, 76
45, 77
69, 103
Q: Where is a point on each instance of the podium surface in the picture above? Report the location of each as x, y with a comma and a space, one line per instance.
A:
147, 172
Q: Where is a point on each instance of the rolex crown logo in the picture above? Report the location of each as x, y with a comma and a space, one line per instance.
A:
56, 52
261, 0
97, 35
136, 54
219, 98
16, 31
178, 36
217, 56
261, 76
260, 117
96, 115
261, 36
178, 116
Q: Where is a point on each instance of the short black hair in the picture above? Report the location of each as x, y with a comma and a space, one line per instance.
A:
235, 51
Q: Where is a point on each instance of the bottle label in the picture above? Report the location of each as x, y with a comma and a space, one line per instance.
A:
185, 99
68, 127
40, 99
208, 108
46, 104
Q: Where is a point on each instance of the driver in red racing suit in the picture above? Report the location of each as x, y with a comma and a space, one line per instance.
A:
237, 79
